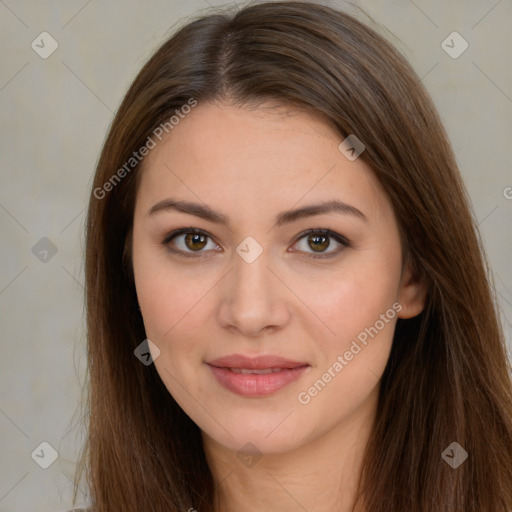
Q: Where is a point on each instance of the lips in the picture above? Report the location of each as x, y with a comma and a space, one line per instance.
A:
255, 363
256, 376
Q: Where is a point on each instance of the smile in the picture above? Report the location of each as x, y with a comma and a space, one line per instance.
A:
256, 383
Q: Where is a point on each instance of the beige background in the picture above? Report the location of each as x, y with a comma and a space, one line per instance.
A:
54, 116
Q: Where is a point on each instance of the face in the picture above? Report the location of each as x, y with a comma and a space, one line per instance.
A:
273, 315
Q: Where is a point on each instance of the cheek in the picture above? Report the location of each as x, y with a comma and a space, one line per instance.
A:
362, 312
171, 313
169, 306
174, 306
354, 299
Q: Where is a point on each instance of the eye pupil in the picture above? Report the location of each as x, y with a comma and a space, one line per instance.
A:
317, 244
195, 238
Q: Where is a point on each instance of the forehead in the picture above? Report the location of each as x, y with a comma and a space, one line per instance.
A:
252, 158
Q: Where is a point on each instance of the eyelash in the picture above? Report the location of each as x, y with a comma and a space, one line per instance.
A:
319, 231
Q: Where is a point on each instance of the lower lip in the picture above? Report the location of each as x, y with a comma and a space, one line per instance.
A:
254, 385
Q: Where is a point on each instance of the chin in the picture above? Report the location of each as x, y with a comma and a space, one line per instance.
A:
270, 432
258, 442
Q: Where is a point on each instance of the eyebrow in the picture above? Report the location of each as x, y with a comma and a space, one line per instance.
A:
285, 217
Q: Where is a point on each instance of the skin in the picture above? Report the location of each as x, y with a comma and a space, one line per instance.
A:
250, 165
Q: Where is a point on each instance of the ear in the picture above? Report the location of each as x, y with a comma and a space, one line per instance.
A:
412, 294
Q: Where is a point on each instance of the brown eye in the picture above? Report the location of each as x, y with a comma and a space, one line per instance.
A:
195, 241
319, 240
188, 242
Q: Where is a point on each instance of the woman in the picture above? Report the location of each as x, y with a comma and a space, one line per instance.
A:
287, 303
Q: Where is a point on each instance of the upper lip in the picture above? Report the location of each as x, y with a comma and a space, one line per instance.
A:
255, 363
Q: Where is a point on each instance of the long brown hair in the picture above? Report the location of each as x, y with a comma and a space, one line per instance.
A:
448, 377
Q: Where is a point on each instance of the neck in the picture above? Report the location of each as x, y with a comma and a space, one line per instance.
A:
320, 475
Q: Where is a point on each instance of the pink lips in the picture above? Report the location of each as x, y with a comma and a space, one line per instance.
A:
256, 376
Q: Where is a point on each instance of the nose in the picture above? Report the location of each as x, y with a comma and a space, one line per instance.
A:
253, 300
